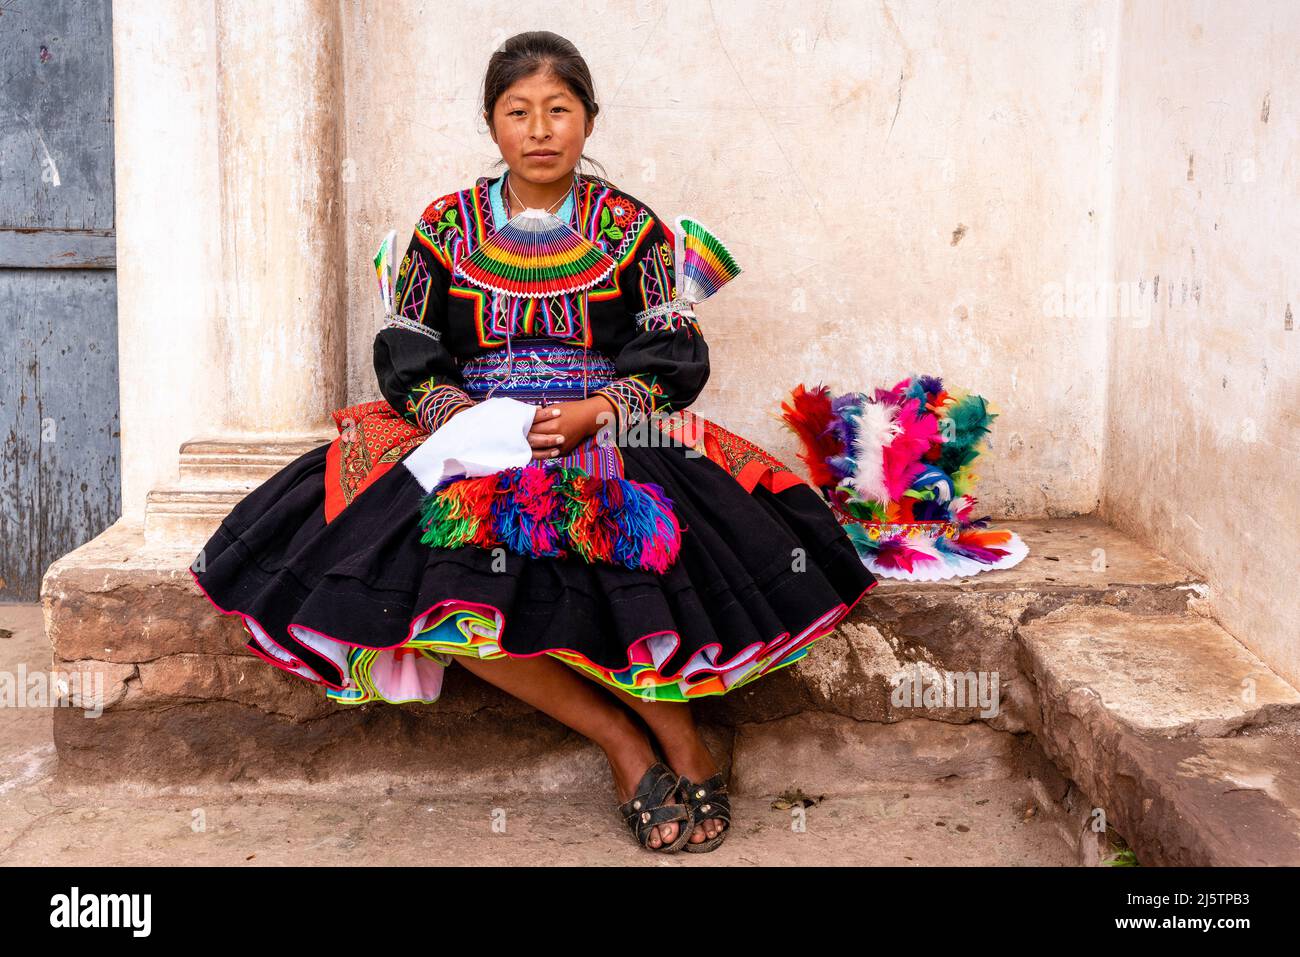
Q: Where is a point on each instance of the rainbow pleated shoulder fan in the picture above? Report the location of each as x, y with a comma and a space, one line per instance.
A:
384, 271
703, 265
895, 468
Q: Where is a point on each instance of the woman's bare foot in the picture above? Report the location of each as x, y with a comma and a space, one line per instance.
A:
686, 754
629, 761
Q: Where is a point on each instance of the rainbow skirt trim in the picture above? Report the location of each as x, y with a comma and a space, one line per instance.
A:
413, 671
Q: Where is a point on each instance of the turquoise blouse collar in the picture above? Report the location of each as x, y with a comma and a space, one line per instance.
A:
565, 212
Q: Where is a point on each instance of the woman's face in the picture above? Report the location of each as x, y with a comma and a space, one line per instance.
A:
540, 128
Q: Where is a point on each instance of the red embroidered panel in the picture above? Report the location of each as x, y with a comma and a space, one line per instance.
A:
372, 439
749, 464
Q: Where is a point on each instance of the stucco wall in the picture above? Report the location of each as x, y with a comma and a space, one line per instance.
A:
1204, 380
898, 181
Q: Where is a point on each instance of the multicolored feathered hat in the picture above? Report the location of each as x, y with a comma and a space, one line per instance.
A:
895, 468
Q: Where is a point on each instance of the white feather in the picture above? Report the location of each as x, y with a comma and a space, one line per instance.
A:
878, 426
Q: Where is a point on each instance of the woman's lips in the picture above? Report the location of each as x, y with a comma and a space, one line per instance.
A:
543, 157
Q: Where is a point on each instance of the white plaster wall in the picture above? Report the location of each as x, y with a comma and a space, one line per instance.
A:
1204, 380
899, 181
168, 235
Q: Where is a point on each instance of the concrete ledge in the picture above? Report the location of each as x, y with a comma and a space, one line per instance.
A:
1184, 737
829, 754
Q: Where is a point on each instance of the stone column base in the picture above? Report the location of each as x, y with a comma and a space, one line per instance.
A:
214, 476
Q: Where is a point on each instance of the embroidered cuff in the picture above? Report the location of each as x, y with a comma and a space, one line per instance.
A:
634, 398
430, 404
401, 322
669, 316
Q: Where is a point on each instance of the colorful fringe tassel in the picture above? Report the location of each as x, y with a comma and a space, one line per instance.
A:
553, 511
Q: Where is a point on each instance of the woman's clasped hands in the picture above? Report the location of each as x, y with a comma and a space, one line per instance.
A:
558, 428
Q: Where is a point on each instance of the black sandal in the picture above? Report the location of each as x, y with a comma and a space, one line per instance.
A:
705, 800
648, 808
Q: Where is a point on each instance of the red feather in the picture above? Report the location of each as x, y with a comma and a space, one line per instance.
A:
807, 412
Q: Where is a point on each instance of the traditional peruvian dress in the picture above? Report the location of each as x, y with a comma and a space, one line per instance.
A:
687, 563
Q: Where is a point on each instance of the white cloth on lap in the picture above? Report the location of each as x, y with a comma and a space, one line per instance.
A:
491, 436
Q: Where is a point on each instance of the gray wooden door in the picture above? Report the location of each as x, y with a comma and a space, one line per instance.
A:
60, 478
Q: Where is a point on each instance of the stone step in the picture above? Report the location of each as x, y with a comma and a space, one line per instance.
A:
186, 516
186, 703
1187, 740
930, 794
127, 607
1097, 644
950, 823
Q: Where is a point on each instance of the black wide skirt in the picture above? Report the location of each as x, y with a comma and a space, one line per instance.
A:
359, 605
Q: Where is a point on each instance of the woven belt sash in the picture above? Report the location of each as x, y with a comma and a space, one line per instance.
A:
545, 370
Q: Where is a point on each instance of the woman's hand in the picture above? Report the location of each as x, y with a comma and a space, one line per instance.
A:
560, 427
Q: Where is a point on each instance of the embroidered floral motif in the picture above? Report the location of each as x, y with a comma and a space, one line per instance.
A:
632, 235
609, 227
623, 213
443, 214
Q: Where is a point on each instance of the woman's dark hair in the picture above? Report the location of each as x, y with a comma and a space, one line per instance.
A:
536, 51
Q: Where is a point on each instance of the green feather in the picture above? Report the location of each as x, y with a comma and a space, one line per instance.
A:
964, 426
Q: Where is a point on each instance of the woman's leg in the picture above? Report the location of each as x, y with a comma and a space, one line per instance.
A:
674, 728
551, 686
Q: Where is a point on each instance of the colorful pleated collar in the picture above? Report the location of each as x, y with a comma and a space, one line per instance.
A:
536, 254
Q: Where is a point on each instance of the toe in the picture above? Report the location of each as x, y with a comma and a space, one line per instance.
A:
668, 832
